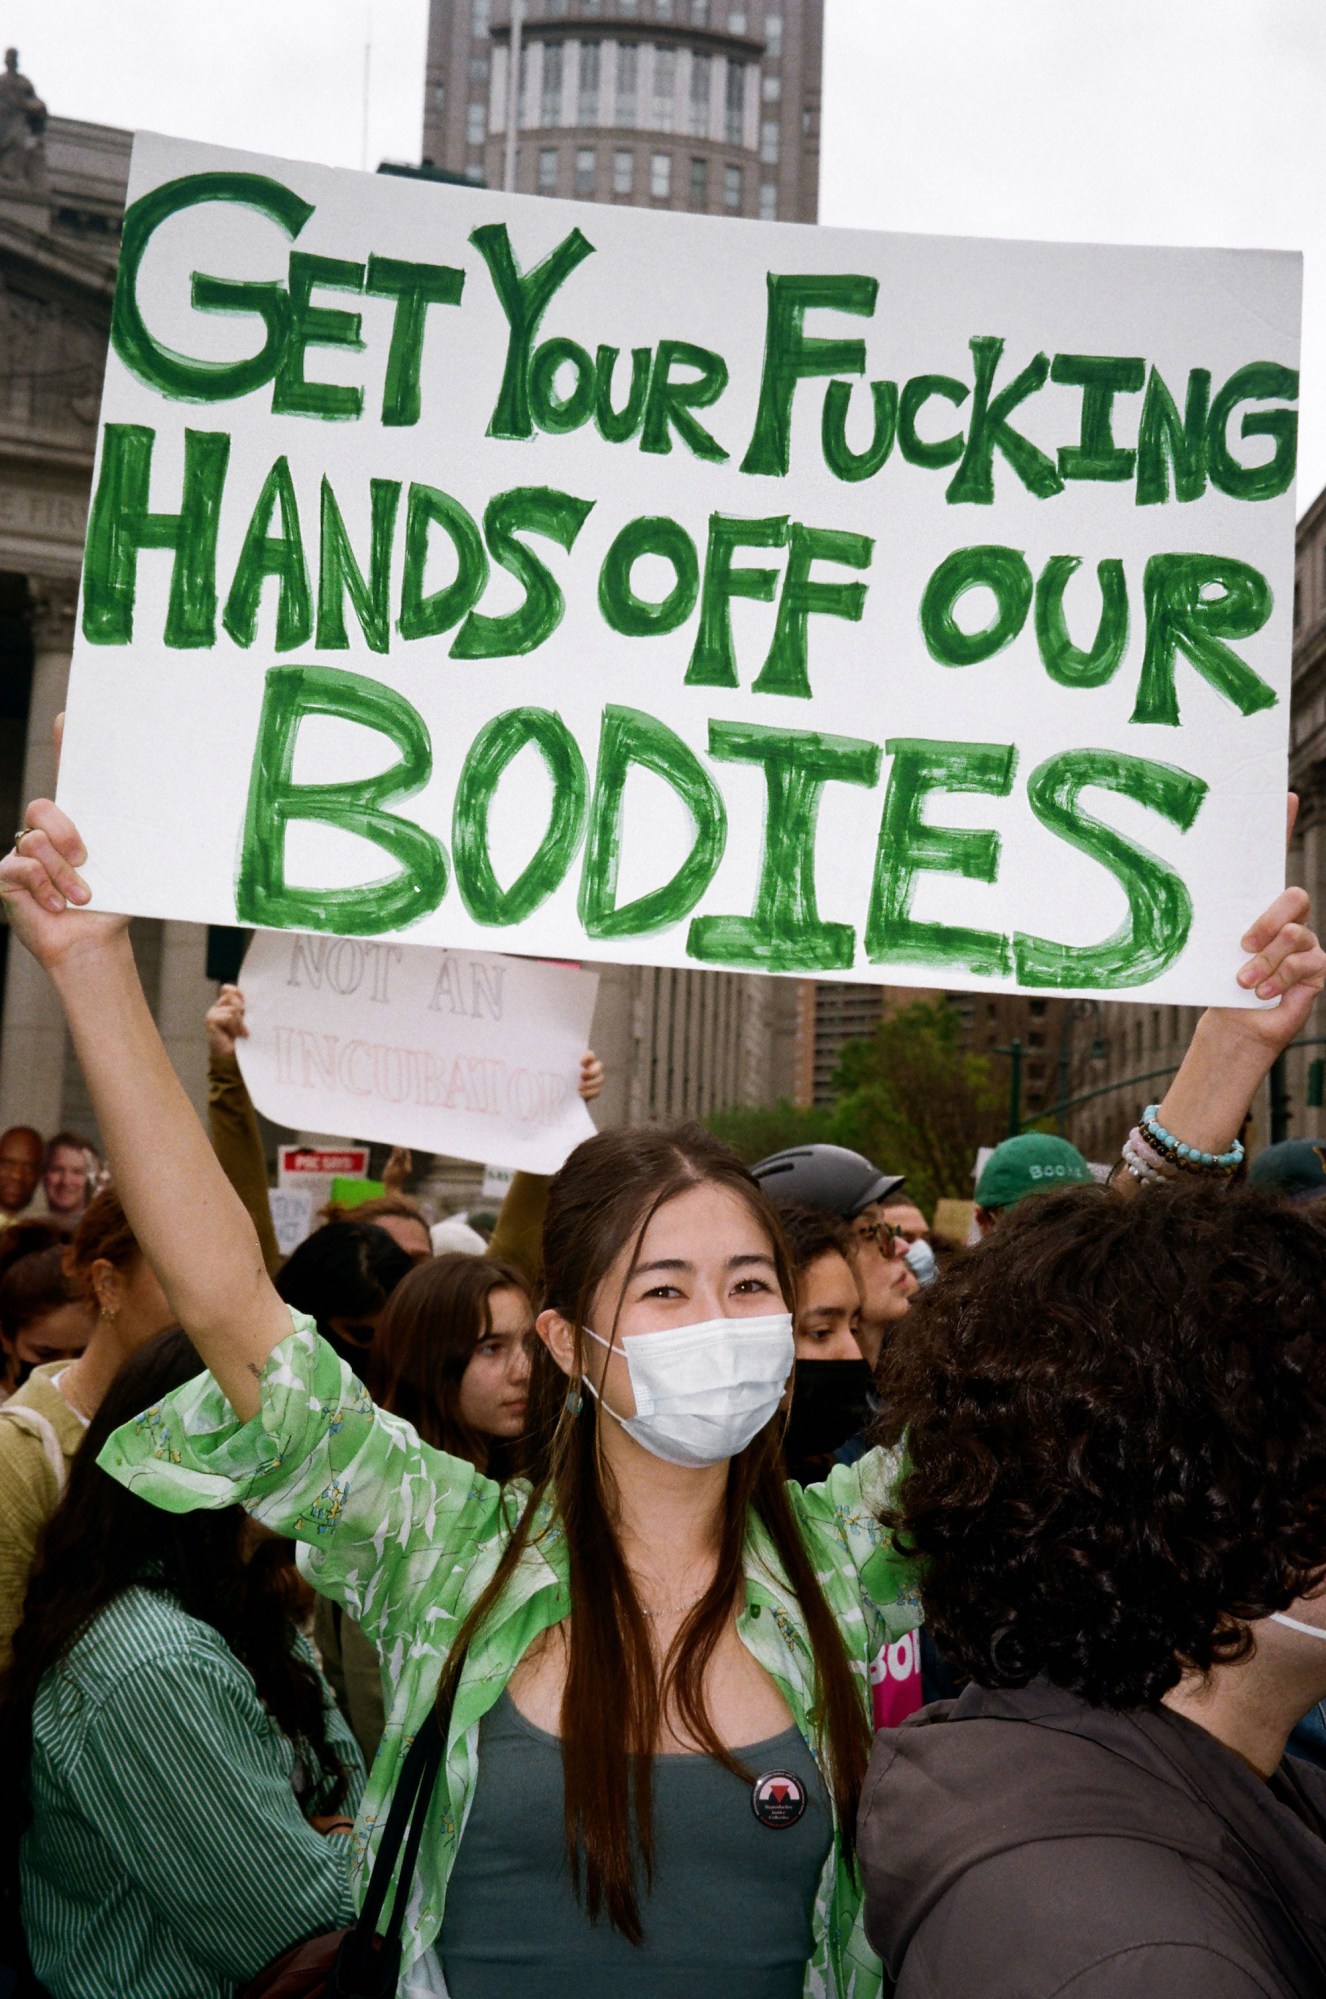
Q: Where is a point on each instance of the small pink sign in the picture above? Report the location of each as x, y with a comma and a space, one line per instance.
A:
895, 1680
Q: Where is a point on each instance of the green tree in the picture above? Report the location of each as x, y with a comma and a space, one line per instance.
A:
914, 1101
755, 1130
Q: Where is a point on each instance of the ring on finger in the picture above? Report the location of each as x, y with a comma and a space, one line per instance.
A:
20, 837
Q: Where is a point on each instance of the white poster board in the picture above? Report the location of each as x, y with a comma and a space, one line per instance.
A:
586, 581
464, 1053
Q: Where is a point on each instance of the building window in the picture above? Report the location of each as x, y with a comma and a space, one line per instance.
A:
547, 169
550, 109
771, 89
734, 107
736, 21
769, 141
476, 124
591, 65
1298, 602
768, 201
773, 34
660, 176
474, 172
699, 183
628, 8
623, 171
584, 172
699, 13
557, 8
478, 69
480, 15
665, 88
439, 94
700, 68
592, 7
663, 9
628, 82
732, 189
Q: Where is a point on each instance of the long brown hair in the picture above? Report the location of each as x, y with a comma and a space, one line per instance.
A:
426, 1337
616, 1694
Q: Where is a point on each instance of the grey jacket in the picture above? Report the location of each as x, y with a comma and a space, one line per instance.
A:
1024, 1845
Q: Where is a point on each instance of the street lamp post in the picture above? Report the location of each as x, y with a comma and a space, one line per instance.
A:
1080, 1009
1014, 1052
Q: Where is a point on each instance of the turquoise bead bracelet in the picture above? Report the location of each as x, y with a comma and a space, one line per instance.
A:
1190, 1157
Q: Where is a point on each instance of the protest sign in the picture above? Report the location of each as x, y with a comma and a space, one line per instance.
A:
310, 1169
459, 1052
589, 581
292, 1216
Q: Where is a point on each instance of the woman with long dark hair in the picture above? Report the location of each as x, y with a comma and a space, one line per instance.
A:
186, 1785
452, 1356
668, 1789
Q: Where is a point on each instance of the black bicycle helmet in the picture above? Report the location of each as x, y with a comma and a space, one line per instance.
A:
824, 1176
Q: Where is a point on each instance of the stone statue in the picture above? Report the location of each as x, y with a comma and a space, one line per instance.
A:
22, 126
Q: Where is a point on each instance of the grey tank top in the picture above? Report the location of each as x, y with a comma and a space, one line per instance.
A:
729, 1915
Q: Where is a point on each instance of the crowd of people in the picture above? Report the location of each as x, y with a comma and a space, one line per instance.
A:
736, 1590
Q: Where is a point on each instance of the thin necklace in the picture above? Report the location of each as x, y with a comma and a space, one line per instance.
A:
681, 1603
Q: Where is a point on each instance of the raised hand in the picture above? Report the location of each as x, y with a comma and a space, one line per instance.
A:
591, 1076
225, 1021
44, 894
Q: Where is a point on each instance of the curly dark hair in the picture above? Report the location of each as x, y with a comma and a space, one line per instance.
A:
1114, 1414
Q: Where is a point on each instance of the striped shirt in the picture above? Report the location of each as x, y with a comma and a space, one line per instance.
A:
168, 1855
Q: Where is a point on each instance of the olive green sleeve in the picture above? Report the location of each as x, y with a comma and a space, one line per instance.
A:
518, 1237
237, 1143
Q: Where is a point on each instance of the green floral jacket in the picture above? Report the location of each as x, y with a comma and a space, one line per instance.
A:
406, 1538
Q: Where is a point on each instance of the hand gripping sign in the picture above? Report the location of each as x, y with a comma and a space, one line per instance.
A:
509, 573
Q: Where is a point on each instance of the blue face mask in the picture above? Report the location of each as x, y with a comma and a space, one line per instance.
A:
920, 1260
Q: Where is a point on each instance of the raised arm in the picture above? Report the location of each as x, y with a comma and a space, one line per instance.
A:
1231, 1053
233, 1122
190, 1223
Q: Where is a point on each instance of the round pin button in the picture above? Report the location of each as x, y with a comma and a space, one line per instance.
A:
778, 1799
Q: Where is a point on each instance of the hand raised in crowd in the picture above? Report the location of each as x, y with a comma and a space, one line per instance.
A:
591, 1076
225, 1021
1234, 1047
399, 1167
40, 884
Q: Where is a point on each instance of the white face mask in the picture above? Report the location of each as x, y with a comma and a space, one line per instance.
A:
1297, 1624
703, 1391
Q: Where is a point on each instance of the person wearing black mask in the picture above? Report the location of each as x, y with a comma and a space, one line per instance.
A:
831, 1382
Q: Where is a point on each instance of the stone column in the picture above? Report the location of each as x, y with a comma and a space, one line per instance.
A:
32, 1035
184, 995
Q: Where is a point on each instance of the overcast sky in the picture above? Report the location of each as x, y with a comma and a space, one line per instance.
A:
1125, 121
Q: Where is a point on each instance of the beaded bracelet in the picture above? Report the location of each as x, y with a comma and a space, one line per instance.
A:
1141, 1169
1188, 1158
1162, 1162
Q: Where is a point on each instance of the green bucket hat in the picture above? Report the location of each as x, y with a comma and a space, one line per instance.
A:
1033, 1163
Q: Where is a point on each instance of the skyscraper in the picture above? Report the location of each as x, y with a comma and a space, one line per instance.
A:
694, 104
699, 105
